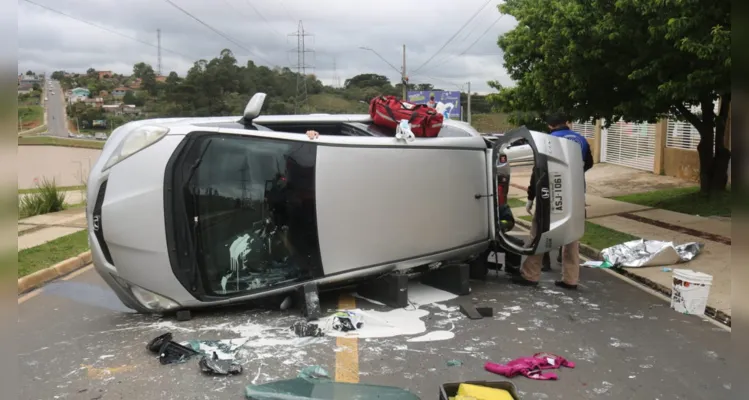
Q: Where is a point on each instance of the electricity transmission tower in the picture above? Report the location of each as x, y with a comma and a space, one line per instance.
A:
301, 67
336, 77
158, 60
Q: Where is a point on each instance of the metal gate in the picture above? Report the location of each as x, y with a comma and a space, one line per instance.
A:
586, 129
629, 145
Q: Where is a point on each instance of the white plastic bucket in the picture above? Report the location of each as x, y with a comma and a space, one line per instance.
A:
689, 291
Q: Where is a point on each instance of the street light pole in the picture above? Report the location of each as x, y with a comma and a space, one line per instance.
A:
404, 78
401, 70
469, 103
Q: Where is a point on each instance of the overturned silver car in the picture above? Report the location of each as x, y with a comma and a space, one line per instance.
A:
193, 212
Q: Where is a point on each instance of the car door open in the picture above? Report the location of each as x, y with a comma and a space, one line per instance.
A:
559, 215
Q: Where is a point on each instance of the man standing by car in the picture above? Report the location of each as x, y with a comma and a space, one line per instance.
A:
530, 272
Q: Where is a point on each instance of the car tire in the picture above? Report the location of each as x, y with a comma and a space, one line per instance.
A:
479, 267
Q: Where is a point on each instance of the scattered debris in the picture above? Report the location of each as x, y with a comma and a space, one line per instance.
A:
486, 312
378, 324
346, 321
170, 352
213, 365
433, 336
313, 372
305, 329
531, 367
597, 264
470, 311
648, 253
225, 348
667, 269
478, 390
314, 383
454, 363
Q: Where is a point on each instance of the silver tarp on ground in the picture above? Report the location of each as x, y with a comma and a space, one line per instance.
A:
649, 253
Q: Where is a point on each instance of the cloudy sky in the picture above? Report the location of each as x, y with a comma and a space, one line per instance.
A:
259, 30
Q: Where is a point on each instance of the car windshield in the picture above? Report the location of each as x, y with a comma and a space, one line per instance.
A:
254, 199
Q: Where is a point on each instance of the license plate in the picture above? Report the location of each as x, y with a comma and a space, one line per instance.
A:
557, 193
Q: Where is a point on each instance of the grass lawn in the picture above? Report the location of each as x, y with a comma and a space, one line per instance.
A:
30, 116
58, 141
51, 253
599, 237
683, 200
487, 123
329, 103
514, 202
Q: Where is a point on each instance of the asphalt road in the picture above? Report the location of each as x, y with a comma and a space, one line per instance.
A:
79, 342
55, 111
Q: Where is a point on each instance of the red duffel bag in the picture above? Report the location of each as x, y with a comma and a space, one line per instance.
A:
388, 111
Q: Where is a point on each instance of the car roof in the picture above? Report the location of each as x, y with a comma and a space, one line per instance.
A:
234, 122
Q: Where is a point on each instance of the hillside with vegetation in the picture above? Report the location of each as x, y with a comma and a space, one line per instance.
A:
222, 87
30, 110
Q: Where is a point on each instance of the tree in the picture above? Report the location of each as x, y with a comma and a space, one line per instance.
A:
367, 80
29, 73
58, 75
129, 97
630, 59
91, 73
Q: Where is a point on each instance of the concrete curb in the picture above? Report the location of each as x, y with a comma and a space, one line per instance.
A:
32, 131
595, 254
39, 278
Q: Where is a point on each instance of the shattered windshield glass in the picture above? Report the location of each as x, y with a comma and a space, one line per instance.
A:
254, 199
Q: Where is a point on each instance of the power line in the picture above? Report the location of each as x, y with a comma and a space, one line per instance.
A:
452, 37
216, 31
460, 40
469, 47
263, 17
107, 29
287, 11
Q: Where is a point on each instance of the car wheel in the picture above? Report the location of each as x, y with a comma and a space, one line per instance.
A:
479, 267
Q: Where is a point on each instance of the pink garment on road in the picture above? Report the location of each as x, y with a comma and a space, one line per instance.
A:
531, 367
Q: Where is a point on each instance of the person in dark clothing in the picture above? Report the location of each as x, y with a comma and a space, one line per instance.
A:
530, 272
431, 103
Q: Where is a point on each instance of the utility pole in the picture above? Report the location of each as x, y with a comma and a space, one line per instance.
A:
158, 60
301, 68
404, 77
469, 103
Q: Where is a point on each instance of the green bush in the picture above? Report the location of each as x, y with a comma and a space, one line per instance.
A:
46, 199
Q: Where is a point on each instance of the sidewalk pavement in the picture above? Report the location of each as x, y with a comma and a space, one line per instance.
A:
40, 229
649, 223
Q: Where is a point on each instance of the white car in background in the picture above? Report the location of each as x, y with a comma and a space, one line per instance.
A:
516, 153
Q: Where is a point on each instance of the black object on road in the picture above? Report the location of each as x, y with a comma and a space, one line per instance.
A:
486, 312
303, 329
213, 365
169, 351
470, 311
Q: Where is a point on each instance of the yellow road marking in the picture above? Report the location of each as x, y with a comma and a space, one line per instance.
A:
102, 373
347, 359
